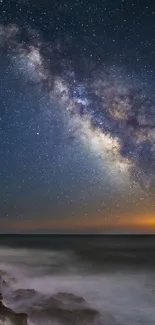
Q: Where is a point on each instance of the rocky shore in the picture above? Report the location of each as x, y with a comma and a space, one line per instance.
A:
31, 306
64, 308
7, 315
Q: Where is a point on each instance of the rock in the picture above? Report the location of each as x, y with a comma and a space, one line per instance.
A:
69, 298
6, 280
3, 283
24, 294
17, 318
62, 300
51, 303
8, 314
65, 308
83, 316
24, 299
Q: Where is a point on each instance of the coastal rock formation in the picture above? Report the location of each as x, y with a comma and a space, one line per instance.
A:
62, 308
65, 308
23, 294
13, 317
69, 298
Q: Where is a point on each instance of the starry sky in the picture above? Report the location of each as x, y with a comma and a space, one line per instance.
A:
77, 116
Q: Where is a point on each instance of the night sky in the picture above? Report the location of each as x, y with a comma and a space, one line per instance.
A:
77, 116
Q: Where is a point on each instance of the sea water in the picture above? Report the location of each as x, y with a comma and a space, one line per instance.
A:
114, 276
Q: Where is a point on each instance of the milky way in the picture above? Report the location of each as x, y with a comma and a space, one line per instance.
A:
112, 112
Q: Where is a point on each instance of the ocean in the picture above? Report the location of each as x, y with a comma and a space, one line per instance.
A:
79, 279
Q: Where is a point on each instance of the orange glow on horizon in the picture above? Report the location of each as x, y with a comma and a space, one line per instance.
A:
145, 222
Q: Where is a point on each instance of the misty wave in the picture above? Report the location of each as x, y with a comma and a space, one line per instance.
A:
56, 285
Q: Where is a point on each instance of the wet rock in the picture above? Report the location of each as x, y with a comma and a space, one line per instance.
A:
24, 294
17, 318
50, 303
62, 300
3, 283
23, 299
8, 314
69, 298
82, 316
65, 308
